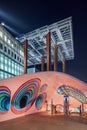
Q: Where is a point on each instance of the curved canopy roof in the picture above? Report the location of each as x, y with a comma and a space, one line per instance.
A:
73, 92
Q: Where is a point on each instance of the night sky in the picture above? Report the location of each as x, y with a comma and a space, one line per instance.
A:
26, 15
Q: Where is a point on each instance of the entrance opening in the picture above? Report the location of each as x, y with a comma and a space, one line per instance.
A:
23, 102
66, 105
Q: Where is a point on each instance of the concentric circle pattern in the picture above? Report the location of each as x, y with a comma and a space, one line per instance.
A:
40, 101
5, 96
25, 96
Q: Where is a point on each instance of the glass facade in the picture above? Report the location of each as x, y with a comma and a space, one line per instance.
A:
11, 55
32, 70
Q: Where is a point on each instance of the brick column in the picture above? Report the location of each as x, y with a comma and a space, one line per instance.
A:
56, 57
42, 63
25, 56
48, 40
64, 66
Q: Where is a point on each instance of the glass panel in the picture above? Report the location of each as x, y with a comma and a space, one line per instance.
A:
5, 38
9, 41
1, 46
5, 49
1, 75
9, 51
6, 64
1, 61
1, 34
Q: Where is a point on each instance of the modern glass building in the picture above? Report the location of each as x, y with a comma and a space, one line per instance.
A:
11, 55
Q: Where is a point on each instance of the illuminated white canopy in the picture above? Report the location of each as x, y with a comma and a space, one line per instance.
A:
61, 34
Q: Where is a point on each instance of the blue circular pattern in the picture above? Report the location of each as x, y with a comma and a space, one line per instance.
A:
40, 101
25, 96
5, 103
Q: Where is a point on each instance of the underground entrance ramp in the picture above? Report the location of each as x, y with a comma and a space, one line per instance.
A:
73, 92
30, 93
77, 94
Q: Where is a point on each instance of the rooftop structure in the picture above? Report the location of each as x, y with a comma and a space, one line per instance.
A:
61, 34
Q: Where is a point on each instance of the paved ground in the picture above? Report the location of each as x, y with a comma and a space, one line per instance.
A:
44, 121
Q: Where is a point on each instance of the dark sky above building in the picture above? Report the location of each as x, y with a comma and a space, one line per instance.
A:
26, 15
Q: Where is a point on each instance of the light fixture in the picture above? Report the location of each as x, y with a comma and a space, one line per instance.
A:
16, 38
2, 23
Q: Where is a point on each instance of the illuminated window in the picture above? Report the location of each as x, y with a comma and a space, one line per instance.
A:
6, 64
10, 65
21, 52
1, 34
1, 75
6, 68
13, 67
6, 75
9, 41
1, 59
5, 38
21, 70
2, 66
12, 45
